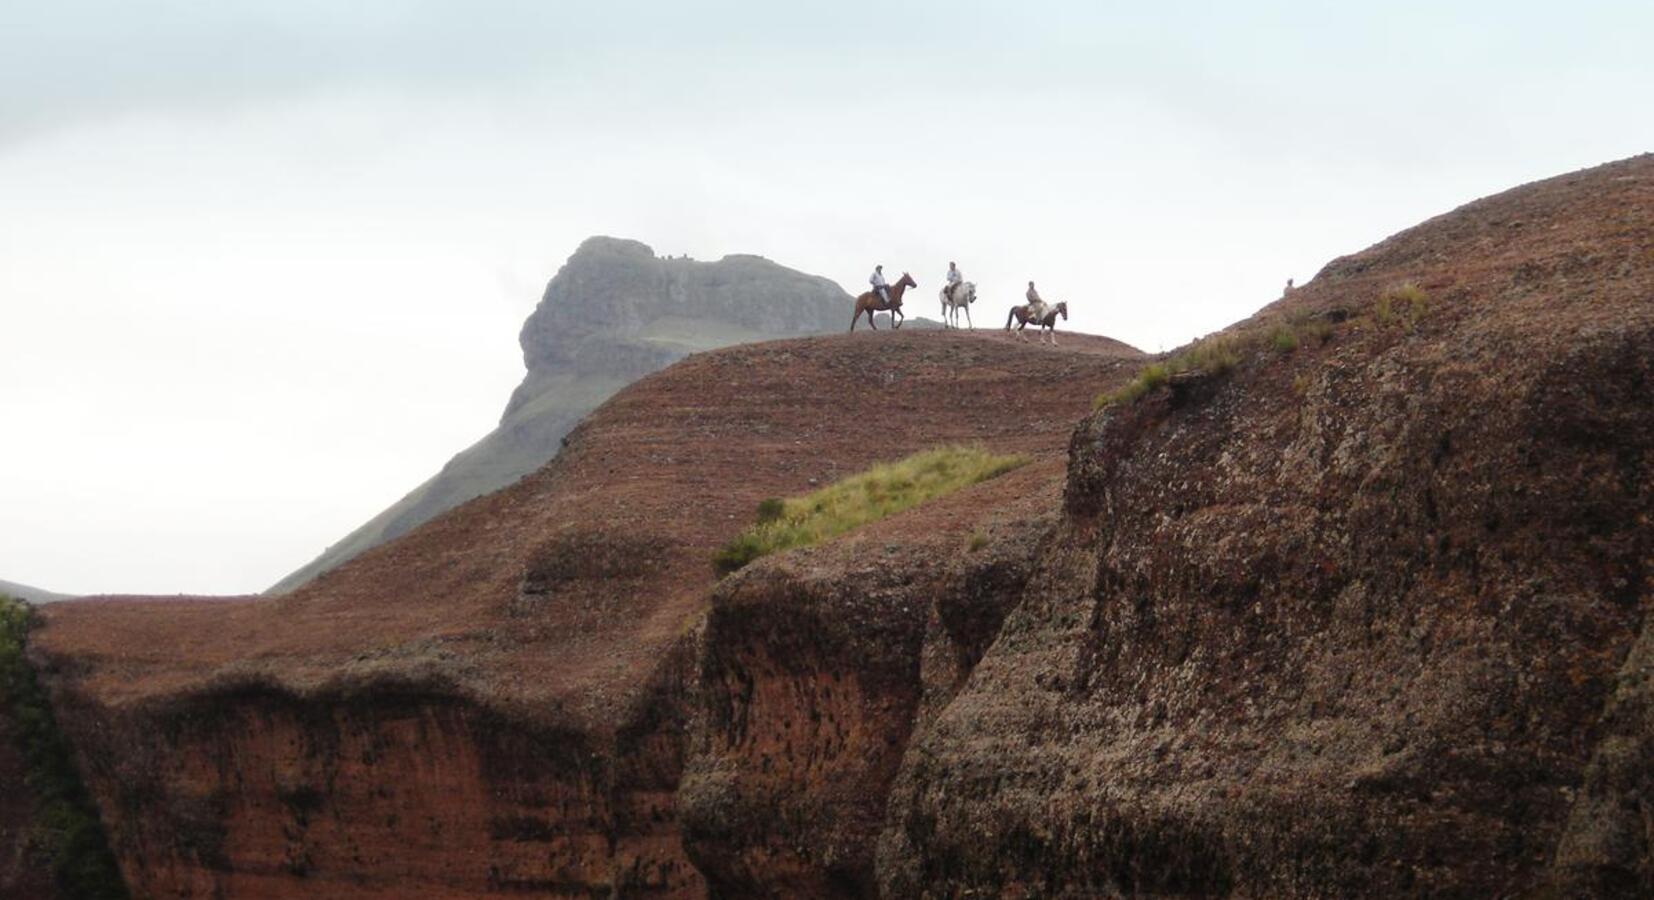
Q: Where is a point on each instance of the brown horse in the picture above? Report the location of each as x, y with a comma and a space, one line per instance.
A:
871, 302
1047, 322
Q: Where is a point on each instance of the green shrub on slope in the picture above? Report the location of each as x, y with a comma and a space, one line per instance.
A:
67, 829
884, 490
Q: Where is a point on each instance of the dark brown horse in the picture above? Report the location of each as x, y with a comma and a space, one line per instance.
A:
871, 302
1047, 322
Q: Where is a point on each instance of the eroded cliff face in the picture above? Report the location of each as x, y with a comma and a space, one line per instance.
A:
1347, 621
397, 792
816, 669
501, 702
1367, 616
1362, 612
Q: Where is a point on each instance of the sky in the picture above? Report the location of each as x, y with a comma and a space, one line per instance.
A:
263, 265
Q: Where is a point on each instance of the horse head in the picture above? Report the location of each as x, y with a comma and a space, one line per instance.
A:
1063, 308
906, 280
970, 292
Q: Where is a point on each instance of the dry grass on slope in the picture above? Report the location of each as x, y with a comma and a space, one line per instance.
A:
881, 491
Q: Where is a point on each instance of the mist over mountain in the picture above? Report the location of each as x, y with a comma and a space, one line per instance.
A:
613, 313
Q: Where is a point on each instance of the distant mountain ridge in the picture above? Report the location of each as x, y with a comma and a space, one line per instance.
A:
613, 313
31, 594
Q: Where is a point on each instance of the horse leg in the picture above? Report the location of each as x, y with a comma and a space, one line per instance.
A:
968, 323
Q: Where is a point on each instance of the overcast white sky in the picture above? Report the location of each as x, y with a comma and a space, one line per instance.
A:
262, 265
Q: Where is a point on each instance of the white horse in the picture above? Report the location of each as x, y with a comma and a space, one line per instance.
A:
955, 298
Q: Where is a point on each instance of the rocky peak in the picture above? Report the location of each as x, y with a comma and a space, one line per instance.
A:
613, 313
614, 288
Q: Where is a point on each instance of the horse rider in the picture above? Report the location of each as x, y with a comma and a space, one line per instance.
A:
1037, 308
954, 279
879, 287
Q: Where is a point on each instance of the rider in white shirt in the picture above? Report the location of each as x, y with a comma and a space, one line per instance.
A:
954, 278
877, 281
1037, 308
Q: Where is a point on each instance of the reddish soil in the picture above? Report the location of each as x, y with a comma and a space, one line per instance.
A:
1367, 617
671, 468
563, 605
1364, 616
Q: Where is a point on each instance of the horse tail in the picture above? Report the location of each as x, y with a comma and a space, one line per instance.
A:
1009, 316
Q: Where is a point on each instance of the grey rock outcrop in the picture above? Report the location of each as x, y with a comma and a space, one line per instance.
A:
614, 313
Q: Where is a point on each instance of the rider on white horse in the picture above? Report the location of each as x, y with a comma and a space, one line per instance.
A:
954, 279
957, 294
879, 287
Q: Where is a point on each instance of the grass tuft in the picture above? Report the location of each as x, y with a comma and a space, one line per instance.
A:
1148, 378
1405, 304
883, 490
1220, 354
1217, 355
1315, 329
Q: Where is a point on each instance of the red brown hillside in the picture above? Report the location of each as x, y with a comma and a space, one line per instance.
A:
494, 701
1364, 615
1367, 617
